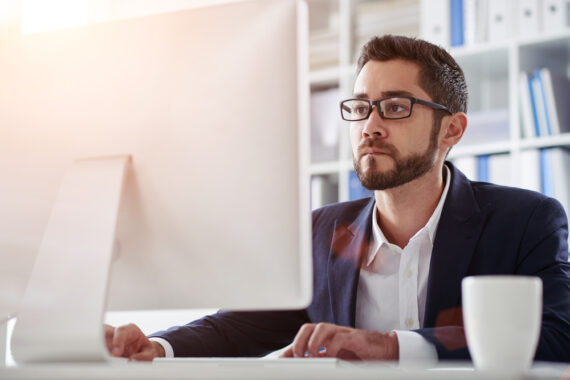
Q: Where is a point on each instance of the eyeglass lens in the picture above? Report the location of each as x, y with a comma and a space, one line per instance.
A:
391, 108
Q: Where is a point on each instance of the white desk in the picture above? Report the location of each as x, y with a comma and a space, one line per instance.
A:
258, 370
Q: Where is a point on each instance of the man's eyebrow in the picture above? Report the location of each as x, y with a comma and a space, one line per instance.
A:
385, 94
392, 94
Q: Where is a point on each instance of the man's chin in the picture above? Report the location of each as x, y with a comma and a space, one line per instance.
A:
376, 164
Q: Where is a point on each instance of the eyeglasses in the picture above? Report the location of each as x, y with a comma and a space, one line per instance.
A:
389, 108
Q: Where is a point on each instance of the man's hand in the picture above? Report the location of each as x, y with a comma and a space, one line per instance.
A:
130, 342
328, 340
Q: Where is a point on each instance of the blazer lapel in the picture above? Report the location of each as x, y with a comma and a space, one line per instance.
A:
455, 241
349, 243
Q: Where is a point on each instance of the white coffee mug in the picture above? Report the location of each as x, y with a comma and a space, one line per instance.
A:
502, 317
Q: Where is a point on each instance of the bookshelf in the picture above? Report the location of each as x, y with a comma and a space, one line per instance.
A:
350, 24
492, 71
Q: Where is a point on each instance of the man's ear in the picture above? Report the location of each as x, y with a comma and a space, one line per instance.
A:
453, 129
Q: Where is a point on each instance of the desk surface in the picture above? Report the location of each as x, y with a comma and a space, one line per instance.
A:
262, 370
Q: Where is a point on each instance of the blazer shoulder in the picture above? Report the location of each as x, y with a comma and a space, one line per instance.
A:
507, 196
519, 204
346, 211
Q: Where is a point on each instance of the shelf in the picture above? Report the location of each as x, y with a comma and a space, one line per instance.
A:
491, 71
479, 49
546, 142
546, 39
558, 39
331, 167
331, 75
480, 149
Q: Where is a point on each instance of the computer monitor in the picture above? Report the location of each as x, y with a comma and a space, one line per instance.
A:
153, 163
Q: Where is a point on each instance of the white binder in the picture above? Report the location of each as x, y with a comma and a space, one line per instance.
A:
527, 119
434, 22
527, 18
554, 15
529, 170
500, 20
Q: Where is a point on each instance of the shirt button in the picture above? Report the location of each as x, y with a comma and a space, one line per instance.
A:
408, 273
409, 322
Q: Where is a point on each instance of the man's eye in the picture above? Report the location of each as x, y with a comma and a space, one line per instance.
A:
361, 110
397, 108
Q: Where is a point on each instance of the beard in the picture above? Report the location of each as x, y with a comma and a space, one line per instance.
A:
406, 168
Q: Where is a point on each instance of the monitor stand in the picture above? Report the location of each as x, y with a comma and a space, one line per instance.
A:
60, 318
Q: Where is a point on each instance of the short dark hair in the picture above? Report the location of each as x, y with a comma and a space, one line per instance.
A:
440, 75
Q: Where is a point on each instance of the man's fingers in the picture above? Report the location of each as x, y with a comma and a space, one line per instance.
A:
144, 355
301, 340
109, 332
127, 340
317, 344
344, 345
288, 353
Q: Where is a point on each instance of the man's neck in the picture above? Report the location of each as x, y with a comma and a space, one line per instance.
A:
404, 210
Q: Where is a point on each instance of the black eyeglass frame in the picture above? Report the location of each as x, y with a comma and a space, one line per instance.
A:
377, 103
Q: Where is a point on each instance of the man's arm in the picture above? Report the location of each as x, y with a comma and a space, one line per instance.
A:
224, 334
230, 334
543, 252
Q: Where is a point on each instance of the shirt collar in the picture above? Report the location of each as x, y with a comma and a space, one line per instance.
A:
378, 237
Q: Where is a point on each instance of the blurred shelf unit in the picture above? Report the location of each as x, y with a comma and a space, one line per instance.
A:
517, 74
338, 29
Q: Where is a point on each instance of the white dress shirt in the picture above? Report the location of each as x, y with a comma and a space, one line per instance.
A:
393, 285
392, 288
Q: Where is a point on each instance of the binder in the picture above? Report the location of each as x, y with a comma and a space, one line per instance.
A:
546, 186
434, 22
529, 170
355, 188
325, 127
471, 22
541, 99
560, 180
500, 167
467, 165
500, 20
539, 105
323, 191
486, 125
533, 106
557, 95
527, 18
483, 168
456, 22
555, 181
554, 15
317, 192
482, 27
527, 118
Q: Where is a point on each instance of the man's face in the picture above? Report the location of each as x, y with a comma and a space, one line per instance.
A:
390, 153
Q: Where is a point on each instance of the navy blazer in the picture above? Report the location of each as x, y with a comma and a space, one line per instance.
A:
483, 229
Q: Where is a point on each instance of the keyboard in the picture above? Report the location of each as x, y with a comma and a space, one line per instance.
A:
327, 363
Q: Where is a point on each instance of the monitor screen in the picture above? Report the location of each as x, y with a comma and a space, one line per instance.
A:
208, 107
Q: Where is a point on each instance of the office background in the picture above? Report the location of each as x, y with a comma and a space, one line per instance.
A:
515, 55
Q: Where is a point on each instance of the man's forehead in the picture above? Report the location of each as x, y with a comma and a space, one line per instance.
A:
388, 78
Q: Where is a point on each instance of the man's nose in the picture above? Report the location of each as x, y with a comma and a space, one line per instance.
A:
374, 126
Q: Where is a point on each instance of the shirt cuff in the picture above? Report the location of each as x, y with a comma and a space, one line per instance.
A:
168, 351
415, 350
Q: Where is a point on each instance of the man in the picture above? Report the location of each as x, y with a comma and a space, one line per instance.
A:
388, 269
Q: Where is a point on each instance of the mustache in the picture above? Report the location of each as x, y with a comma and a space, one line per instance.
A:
376, 143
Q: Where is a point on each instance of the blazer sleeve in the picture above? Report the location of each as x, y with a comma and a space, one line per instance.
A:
544, 253
231, 334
